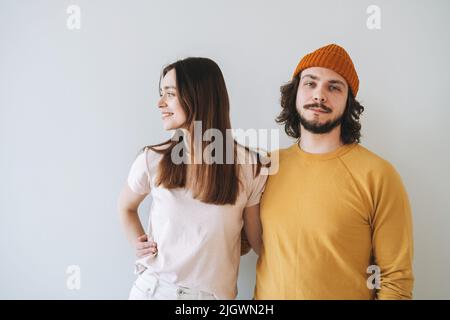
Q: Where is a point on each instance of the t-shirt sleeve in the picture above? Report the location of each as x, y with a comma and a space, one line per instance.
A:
257, 189
139, 177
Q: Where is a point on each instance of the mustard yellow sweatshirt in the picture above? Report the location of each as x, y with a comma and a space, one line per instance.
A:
326, 219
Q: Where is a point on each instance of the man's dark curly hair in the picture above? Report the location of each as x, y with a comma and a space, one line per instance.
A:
350, 126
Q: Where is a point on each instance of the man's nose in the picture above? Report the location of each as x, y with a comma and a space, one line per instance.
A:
319, 96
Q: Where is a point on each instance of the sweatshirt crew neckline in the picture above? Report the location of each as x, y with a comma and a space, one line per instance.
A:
339, 152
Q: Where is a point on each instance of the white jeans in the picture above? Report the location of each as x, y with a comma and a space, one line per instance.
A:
149, 287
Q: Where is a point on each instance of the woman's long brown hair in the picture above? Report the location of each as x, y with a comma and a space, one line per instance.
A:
203, 96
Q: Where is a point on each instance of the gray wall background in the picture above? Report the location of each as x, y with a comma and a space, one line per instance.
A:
76, 105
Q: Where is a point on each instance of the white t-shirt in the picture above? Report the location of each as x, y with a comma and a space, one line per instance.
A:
198, 243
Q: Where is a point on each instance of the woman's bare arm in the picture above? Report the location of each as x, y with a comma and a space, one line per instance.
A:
253, 227
127, 205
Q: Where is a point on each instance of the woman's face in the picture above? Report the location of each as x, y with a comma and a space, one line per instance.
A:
172, 113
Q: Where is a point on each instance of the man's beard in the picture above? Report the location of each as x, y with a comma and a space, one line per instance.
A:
314, 126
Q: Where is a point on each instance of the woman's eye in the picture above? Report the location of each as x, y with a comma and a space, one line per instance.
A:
170, 94
332, 88
309, 84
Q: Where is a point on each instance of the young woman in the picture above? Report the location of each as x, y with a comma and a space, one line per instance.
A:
192, 246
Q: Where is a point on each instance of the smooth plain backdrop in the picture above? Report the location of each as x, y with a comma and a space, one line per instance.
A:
76, 106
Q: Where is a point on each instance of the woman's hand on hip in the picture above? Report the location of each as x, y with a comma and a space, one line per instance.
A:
144, 247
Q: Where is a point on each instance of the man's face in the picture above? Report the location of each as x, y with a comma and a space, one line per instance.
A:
321, 99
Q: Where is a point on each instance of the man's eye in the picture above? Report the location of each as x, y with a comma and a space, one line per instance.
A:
332, 88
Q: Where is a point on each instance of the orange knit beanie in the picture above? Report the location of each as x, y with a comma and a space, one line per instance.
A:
331, 57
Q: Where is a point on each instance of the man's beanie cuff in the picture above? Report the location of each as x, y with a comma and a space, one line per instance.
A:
335, 58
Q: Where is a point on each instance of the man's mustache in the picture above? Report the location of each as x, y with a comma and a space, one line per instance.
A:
318, 106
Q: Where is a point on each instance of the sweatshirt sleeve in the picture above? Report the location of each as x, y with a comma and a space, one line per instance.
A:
392, 236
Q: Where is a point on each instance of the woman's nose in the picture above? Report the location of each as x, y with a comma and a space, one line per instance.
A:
161, 103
